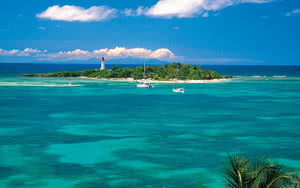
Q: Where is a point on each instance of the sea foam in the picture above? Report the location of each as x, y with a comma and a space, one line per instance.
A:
35, 84
257, 76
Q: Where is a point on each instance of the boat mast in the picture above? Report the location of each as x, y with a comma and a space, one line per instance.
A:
144, 71
177, 72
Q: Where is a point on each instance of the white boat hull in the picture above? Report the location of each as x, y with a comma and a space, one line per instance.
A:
145, 86
178, 90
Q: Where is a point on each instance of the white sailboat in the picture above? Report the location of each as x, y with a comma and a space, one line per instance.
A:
144, 84
177, 89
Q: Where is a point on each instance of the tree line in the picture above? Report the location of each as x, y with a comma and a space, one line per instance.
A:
155, 72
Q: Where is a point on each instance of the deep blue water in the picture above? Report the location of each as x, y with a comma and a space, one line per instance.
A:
112, 134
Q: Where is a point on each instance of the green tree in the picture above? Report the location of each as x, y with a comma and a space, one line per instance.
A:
159, 72
241, 172
115, 72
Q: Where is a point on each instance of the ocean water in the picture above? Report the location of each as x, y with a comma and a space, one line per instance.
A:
112, 134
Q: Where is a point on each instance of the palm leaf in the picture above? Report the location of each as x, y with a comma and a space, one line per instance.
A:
244, 173
237, 173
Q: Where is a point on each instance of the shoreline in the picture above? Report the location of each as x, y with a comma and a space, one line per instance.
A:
157, 81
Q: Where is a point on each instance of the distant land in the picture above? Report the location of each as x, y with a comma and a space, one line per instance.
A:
165, 73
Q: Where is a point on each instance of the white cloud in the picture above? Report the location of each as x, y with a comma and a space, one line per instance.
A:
121, 52
296, 11
138, 12
8, 52
25, 52
205, 14
74, 13
176, 28
129, 12
114, 53
66, 55
42, 28
190, 8
163, 8
30, 50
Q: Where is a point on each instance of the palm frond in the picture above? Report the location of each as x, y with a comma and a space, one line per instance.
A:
237, 173
244, 173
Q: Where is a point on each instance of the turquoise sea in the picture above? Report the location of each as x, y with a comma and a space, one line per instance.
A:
111, 134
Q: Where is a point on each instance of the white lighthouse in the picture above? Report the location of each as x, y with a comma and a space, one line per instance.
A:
102, 63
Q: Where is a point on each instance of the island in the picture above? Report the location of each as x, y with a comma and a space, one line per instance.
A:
168, 73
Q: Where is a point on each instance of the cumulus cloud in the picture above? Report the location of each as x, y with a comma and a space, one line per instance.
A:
8, 52
66, 55
141, 10
296, 11
74, 13
30, 50
78, 54
121, 52
129, 12
25, 52
163, 9
189, 8
205, 14
114, 53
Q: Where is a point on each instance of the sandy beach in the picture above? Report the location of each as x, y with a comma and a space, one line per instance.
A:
158, 81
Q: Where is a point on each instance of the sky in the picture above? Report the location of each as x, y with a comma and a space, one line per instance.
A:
222, 32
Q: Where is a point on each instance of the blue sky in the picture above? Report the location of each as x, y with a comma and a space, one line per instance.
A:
250, 32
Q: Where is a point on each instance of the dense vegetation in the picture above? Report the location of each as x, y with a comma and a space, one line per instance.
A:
241, 172
160, 72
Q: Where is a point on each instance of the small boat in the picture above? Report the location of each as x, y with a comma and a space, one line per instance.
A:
144, 84
71, 85
178, 90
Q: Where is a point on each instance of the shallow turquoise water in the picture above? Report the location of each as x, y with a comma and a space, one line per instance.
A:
112, 134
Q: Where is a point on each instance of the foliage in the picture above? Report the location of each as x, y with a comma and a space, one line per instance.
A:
241, 172
161, 72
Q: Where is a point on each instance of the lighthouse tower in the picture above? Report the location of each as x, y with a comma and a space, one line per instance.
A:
102, 63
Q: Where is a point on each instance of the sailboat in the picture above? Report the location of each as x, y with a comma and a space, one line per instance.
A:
177, 89
144, 84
